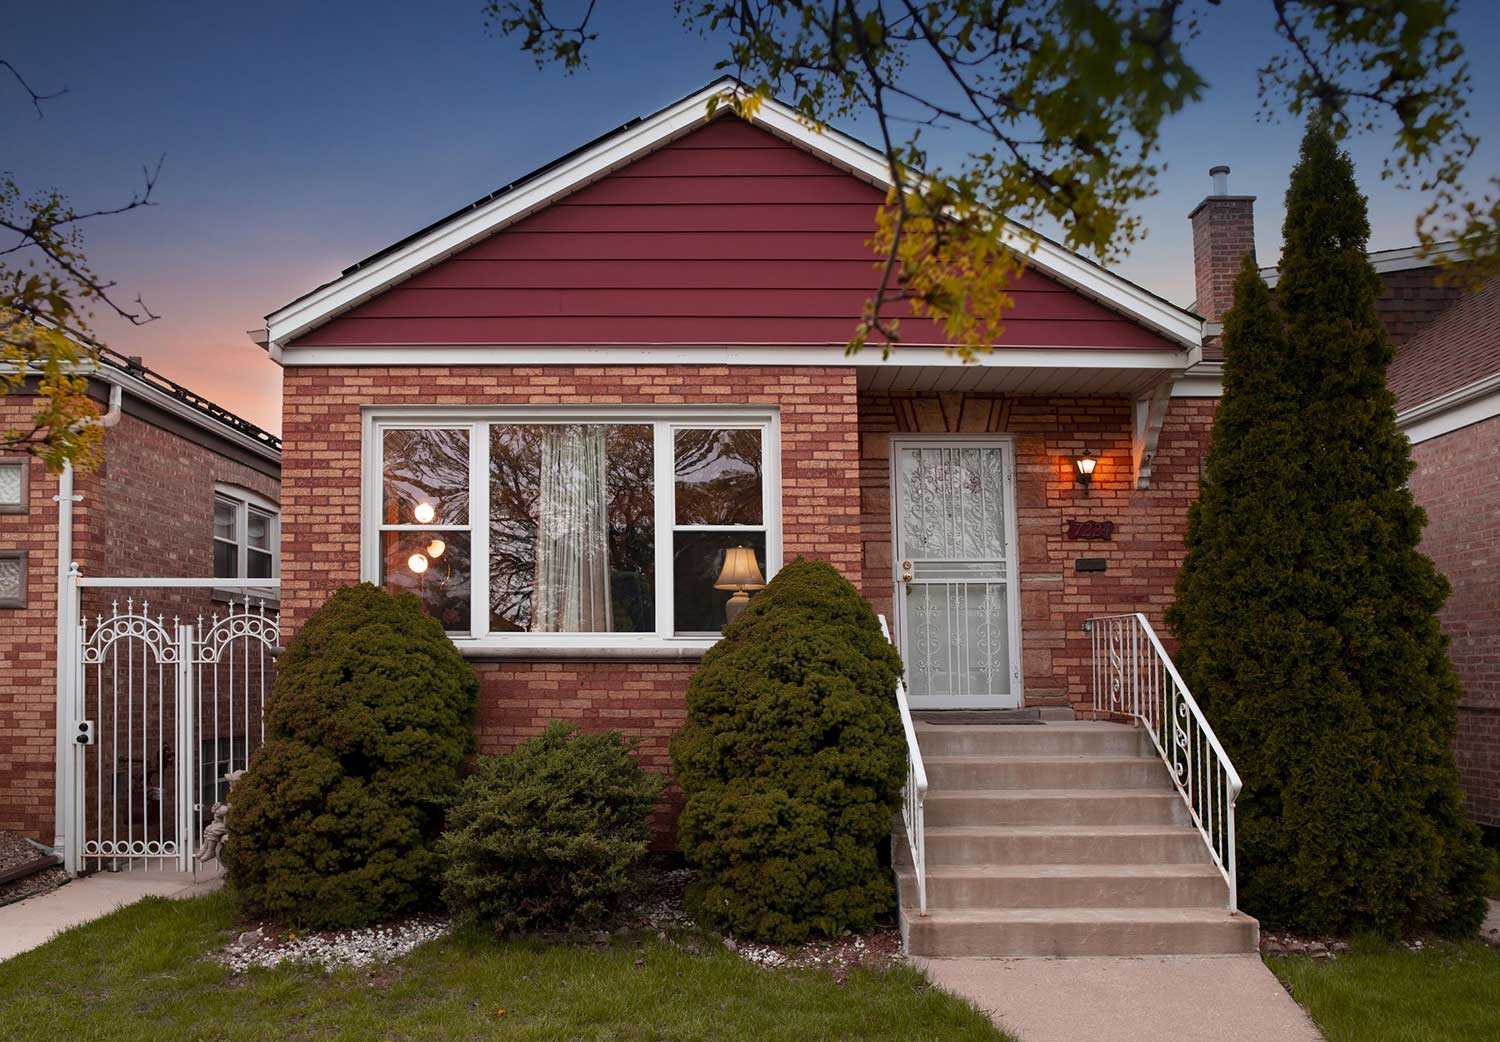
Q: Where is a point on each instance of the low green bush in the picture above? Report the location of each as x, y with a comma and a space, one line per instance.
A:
368, 726
548, 836
792, 760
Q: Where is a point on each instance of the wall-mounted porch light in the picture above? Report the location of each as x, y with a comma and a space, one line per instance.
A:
1083, 469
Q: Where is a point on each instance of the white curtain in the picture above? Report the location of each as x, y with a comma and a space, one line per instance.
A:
572, 544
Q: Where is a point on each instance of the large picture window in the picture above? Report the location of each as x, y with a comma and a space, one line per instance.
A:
605, 528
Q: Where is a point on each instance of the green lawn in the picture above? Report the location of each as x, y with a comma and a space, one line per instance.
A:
1381, 993
140, 974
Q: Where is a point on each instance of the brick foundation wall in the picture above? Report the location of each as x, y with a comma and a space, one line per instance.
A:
1455, 482
321, 500
1150, 524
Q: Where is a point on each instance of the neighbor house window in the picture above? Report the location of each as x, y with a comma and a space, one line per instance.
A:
13, 475
246, 535
602, 528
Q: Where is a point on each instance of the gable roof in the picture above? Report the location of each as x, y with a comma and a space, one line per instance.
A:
634, 139
1458, 349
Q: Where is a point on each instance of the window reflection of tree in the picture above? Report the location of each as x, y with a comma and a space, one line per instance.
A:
515, 487
515, 494
718, 477
430, 465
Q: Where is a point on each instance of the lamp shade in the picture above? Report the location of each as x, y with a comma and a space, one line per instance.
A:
740, 571
1086, 464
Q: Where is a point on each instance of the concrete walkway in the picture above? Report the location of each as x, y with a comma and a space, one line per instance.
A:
1160, 998
29, 923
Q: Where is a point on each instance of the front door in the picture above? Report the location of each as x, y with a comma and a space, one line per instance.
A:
957, 610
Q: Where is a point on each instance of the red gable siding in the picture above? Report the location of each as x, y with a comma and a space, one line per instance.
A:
728, 235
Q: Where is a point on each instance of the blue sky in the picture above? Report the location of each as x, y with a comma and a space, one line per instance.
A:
302, 137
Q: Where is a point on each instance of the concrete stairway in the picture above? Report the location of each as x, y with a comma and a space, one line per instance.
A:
1060, 838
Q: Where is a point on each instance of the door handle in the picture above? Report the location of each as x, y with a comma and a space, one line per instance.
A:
906, 571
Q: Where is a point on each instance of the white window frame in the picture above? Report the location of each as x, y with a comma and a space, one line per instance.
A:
243, 501
665, 420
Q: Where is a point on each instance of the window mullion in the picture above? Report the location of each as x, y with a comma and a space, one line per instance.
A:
479, 530
665, 510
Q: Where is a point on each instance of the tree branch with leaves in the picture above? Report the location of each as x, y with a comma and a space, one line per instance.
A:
1061, 104
48, 292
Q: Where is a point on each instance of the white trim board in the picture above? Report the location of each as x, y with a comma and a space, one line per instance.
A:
1404, 258
732, 354
628, 143
1474, 403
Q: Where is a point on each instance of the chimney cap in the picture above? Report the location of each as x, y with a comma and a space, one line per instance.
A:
1220, 169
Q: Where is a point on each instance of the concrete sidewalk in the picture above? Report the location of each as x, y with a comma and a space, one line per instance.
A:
1160, 998
29, 923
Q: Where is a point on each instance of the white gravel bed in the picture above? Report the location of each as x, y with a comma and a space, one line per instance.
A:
332, 949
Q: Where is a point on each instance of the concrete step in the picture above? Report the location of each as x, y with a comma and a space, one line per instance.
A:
1065, 845
1061, 739
1045, 772
1054, 807
973, 887
1080, 931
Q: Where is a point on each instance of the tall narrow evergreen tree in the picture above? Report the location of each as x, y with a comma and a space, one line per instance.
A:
1307, 618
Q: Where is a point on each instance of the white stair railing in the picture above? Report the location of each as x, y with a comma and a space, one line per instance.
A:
914, 793
1133, 676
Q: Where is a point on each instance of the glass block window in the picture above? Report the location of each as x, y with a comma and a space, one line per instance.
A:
13, 492
12, 578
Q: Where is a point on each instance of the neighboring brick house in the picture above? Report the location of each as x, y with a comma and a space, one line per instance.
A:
1446, 378
184, 489
552, 413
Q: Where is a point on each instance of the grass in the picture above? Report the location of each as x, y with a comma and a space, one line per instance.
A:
1385, 993
141, 974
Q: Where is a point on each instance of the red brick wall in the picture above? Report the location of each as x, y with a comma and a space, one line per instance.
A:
1150, 524
321, 495
28, 697
1455, 481
146, 510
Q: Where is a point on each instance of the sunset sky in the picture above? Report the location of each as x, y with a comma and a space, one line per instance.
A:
300, 138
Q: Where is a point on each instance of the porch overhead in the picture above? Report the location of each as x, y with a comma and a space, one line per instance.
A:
1131, 374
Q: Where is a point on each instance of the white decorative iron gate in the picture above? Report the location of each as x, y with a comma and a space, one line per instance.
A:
160, 711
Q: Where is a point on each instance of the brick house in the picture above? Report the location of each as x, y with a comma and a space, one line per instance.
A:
581, 416
185, 488
662, 315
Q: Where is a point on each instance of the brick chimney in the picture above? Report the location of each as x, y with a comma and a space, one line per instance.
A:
1223, 233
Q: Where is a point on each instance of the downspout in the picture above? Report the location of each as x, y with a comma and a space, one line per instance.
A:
65, 499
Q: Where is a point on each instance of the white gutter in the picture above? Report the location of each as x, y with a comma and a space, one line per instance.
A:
65, 499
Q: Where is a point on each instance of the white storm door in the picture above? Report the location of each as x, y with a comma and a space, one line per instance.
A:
957, 605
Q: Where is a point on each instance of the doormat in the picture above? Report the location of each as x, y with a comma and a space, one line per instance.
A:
979, 716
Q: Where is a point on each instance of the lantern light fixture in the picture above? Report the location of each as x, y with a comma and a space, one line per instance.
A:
1083, 469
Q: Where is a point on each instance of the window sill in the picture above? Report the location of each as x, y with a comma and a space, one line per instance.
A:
269, 597
478, 651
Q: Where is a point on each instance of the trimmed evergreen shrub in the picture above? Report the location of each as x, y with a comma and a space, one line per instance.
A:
1306, 617
548, 836
792, 760
367, 729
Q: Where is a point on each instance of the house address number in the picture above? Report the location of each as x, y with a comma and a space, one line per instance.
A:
1090, 530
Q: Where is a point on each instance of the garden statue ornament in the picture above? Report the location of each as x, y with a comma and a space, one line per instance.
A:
216, 830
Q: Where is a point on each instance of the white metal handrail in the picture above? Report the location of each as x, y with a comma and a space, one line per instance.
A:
1134, 676
914, 792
